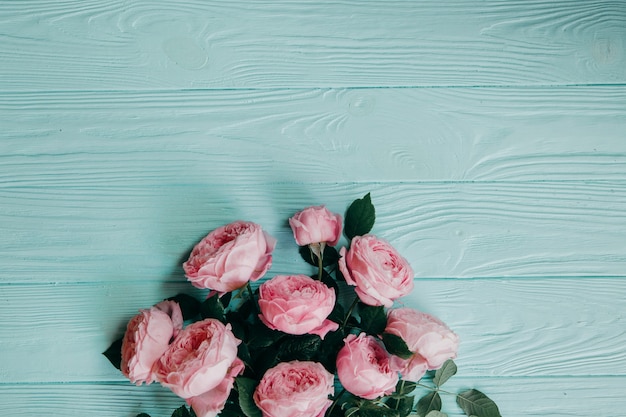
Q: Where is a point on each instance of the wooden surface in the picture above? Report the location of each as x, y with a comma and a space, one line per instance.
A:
492, 136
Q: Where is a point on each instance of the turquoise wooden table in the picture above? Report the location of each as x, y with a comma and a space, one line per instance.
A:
491, 134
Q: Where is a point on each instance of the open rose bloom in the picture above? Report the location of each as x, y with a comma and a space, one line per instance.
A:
297, 304
294, 389
377, 270
147, 337
200, 366
364, 369
430, 340
229, 257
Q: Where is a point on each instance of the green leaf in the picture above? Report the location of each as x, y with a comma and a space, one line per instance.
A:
189, 305
436, 413
405, 387
302, 348
330, 257
225, 299
330, 346
360, 217
181, 412
229, 413
243, 353
369, 409
396, 346
212, 308
428, 403
114, 353
475, 403
142, 415
373, 319
402, 403
338, 313
447, 370
246, 387
262, 336
239, 326
328, 280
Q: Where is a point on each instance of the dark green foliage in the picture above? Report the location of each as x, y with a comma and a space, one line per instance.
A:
475, 403
373, 319
182, 411
246, 387
189, 305
213, 308
396, 345
114, 353
359, 218
447, 370
329, 257
430, 401
405, 387
402, 403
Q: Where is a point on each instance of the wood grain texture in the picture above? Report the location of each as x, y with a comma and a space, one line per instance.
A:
444, 229
508, 328
491, 134
148, 139
157, 44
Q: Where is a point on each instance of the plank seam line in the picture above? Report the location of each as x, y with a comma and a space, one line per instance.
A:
330, 87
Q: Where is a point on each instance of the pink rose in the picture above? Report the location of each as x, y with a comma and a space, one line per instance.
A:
297, 304
294, 389
230, 256
428, 337
363, 367
380, 274
212, 402
147, 337
316, 225
199, 359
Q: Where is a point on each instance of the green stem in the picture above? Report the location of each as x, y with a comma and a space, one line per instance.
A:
345, 320
320, 266
436, 389
256, 308
320, 258
332, 406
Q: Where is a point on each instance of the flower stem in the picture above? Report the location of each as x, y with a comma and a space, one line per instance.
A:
436, 389
255, 306
332, 406
345, 320
317, 249
320, 266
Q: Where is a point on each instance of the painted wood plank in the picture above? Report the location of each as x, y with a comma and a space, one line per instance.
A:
523, 397
444, 229
523, 328
250, 137
120, 45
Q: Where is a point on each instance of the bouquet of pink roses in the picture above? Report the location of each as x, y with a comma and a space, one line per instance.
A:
291, 348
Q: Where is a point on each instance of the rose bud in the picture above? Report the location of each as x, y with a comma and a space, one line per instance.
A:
377, 270
147, 337
316, 224
430, 340
229, 257
363, 367
294, 389
297, 304
199, 359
